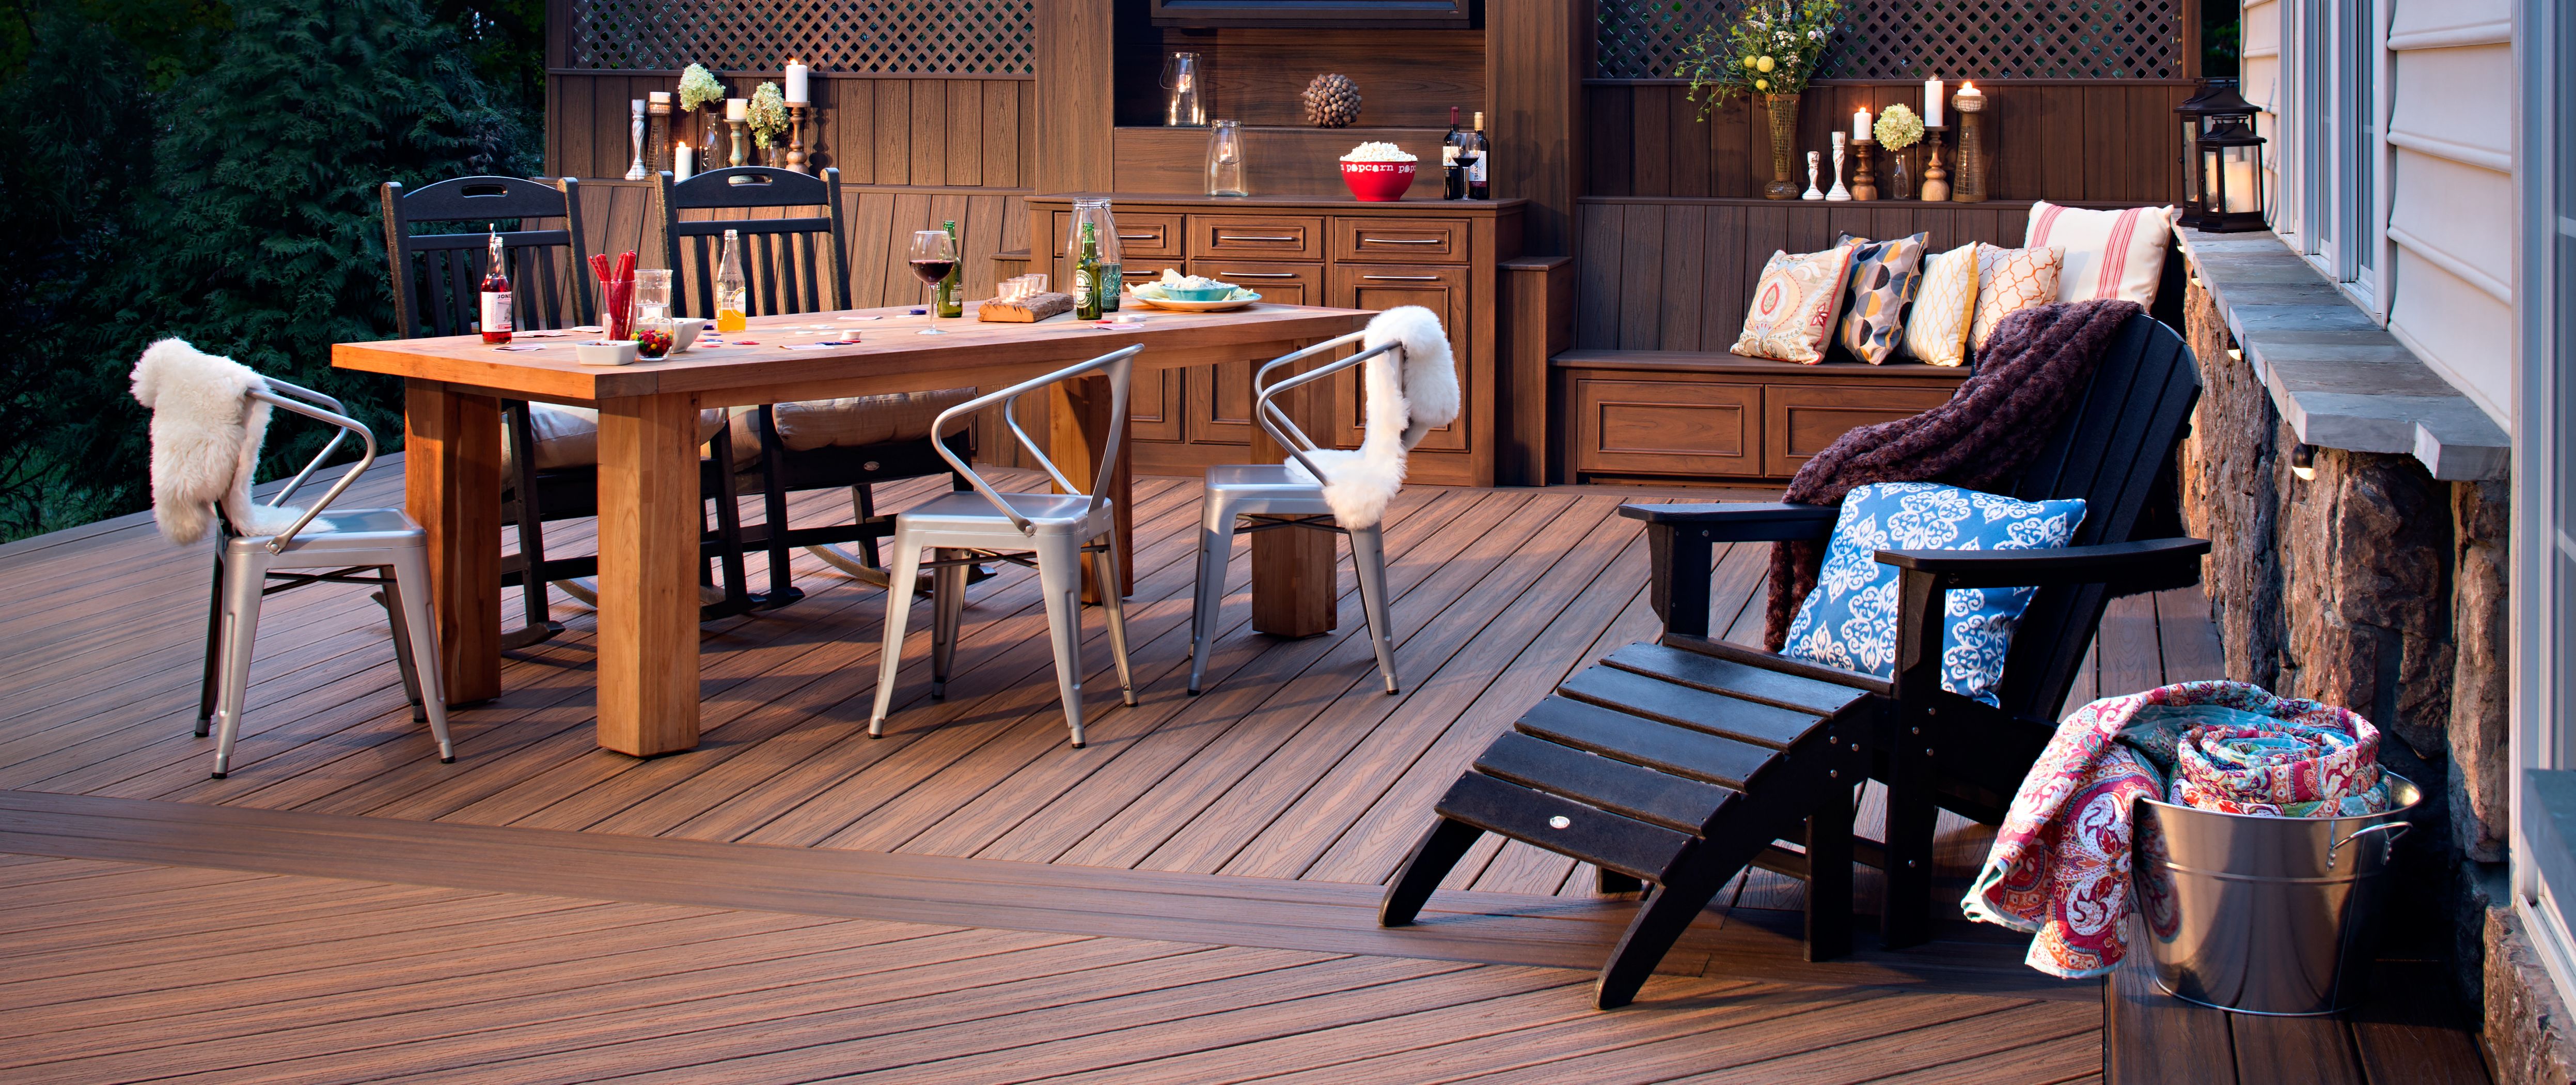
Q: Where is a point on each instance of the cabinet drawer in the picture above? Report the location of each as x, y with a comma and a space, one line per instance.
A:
1285, 284
1798, 421
1401, 241
1649, 427
1258, 236
1380, 287
1142, 235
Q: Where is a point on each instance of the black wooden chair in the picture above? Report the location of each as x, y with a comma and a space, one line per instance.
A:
800, 265
1680, 762
437, 284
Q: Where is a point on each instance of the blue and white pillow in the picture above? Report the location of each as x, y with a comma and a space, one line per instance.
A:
1849, 621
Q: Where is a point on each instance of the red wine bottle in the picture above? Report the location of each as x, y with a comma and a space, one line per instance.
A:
1477, 155
1453, 177
495, 323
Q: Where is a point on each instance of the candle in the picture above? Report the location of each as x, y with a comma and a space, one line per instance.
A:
796, 89
1932, 103
1970, 98
659, 97
1860, 125
684, 162
2240, 185
737, 109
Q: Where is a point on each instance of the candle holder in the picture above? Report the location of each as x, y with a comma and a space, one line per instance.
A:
1972, 149
796, 136
657, 141
741, 148
635, 130
1838, 193
1936, 177
1864, 186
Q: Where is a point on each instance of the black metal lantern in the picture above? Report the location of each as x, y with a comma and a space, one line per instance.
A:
2222, 162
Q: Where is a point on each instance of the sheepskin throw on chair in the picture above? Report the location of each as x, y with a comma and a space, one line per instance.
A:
1404, 404
206, 432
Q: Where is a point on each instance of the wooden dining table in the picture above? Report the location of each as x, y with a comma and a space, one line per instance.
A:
650, 510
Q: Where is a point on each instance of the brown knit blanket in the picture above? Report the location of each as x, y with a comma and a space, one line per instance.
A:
2030, 372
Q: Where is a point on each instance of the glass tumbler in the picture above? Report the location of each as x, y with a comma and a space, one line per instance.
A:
1225, 160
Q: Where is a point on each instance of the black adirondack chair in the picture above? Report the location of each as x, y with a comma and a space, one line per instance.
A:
790, 265
1681, 761
437, 285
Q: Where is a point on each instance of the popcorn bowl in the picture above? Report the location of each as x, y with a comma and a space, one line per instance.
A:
1377, 182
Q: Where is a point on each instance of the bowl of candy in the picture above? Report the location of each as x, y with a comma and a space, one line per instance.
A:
1377, 172
654, 338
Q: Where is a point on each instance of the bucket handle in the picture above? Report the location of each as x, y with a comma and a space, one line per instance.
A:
2396, 831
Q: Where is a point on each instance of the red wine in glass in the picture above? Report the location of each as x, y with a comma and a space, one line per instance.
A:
933, 271
933, 256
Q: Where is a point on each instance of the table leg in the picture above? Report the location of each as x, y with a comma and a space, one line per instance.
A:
1292, 569
649, 519
452, 487
1078, 425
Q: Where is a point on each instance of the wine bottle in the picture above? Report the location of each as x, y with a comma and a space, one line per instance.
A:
1453, 177
496, 294
1086, 277
952, 301
732, 299
1477, 156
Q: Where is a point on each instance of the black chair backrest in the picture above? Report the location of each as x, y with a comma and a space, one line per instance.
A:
438, 277
2114, 444
790, 265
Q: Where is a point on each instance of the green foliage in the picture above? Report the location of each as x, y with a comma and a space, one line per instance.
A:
1773, 47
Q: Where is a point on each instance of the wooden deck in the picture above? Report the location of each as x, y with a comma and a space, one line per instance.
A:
1189, 899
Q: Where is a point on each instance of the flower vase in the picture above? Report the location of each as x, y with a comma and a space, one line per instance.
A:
1784, 137
1900, 174
769, 155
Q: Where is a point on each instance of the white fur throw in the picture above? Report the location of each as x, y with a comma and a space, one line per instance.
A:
1401, 410
206, 432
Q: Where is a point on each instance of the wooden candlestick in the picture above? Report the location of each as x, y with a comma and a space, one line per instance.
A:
741, 154
1864, 186
1936, 177
796, 137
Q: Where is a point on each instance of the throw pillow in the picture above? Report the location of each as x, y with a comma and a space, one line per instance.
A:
1936, 332
1792, 315
2008, 280
2107, 254
1884, 277
1849, 621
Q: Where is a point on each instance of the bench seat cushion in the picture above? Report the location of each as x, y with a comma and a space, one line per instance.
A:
852, 422
568, 437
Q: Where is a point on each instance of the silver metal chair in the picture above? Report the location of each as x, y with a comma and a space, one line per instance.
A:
324, 546
1283, 498
986, 525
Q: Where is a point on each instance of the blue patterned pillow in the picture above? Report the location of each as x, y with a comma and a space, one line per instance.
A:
1849, 621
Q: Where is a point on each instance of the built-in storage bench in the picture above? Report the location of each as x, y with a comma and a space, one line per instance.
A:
1666, 416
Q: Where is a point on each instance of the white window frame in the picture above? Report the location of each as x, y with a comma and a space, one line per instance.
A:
2342, 234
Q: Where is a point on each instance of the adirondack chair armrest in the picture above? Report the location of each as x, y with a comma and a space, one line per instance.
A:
2156, 560
1741, 521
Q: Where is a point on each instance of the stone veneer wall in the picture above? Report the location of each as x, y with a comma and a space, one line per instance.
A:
2377, 587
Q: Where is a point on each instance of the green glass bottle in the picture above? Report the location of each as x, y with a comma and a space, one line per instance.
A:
1086, 277
952, 290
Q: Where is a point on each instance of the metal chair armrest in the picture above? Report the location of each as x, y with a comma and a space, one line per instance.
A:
1008, 397
1275, 422
347, 426
319, 458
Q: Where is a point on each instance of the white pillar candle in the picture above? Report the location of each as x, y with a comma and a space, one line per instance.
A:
737, 109
2240, 184
1932, 103
796, 89
659, 97
1860, 124
684, 162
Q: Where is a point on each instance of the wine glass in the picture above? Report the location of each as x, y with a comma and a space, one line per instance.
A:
933, 257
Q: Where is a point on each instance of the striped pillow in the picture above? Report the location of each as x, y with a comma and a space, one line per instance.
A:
2107, 254
1884, 277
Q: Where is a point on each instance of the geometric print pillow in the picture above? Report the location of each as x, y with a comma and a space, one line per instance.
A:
1883, 280
2012, 279
1936, 332
1849, 621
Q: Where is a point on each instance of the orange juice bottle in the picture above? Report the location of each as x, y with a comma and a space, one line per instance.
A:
731, 297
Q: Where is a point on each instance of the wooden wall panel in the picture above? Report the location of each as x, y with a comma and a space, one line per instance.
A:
2066, 140
878, 221
895, 131
1409, 80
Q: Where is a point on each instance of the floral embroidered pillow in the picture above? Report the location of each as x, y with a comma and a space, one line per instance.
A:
1884, 276
1792, 315
1849, 621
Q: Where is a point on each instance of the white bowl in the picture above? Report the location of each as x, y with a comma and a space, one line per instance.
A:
684, 331
598, 352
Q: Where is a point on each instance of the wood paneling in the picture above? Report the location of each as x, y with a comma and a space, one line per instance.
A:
1798, 422
1075, 98
880, 222
1638, 427
2061, 140
1277, 161
1407, 78
878, 131
1536, 52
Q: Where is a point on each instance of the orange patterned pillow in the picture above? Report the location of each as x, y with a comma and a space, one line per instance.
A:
2010, 279
1792, 315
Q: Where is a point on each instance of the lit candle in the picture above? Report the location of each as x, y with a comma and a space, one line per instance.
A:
796, 74
1860, 125
1970, 98
737, 109
684, 162
659, 97
1932, 103
2240, 185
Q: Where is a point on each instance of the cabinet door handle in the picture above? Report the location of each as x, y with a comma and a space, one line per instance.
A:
1260, 274
1405, 278
1140, 237
1367, 240
1238, 237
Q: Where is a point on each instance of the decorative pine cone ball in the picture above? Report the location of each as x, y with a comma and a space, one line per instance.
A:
1332, 101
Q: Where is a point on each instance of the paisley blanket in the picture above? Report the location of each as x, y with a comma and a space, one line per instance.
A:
2060, 864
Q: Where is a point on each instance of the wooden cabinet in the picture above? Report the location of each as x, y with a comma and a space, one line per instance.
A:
1444, 256
1677, 416
1650, 427
1798, 421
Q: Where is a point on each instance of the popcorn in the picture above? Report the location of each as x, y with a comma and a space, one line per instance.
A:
1377, 152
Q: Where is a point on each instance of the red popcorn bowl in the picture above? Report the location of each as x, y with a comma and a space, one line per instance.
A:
1377, 182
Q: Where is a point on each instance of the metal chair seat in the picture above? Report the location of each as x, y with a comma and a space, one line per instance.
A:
970, 515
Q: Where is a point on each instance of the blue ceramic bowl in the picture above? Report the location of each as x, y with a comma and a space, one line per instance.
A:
1209, 293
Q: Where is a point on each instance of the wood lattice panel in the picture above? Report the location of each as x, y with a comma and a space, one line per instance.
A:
874, 37
1910, 39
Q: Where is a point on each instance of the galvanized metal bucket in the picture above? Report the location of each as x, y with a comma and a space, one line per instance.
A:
2263, 915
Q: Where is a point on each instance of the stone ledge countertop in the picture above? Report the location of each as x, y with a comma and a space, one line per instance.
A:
2339, 378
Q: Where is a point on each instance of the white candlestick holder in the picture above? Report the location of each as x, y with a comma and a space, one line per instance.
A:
1812, 193
1839, 192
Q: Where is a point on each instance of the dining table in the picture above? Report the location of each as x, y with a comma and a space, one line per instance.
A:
650, 510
